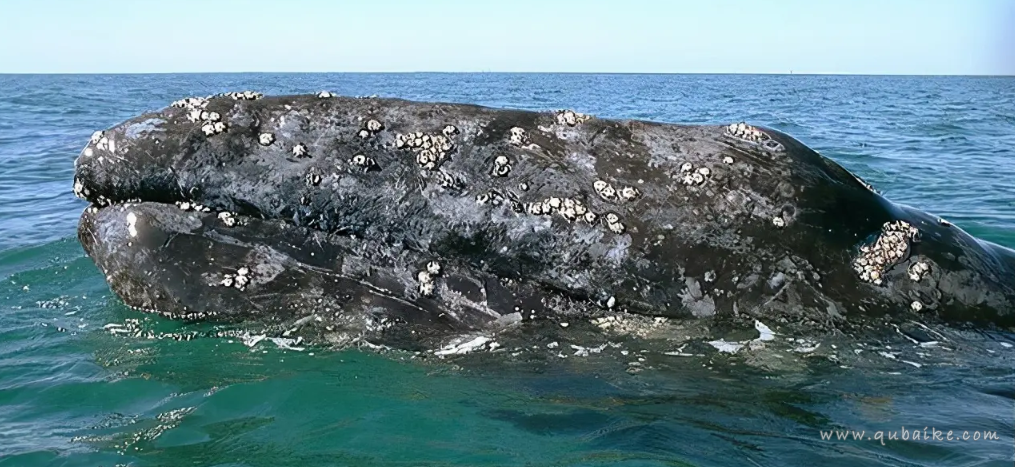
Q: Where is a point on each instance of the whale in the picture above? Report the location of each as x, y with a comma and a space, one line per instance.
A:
403, 222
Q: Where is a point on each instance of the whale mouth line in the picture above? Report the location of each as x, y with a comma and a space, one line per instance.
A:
257, 250
408, 221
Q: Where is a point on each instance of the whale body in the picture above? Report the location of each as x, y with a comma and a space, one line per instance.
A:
404, 222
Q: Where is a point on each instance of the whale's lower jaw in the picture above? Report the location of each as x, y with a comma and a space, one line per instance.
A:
403, 223
191, 266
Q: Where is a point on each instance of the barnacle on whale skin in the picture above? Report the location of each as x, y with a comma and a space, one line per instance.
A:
374, 126
890, 247
430, 149
571, 118
746, 132
191, 103
366, 163
501, 167
312, 178
265, 139
613, 223
518, 137
918, 270
244, 95
433, 268
227, 218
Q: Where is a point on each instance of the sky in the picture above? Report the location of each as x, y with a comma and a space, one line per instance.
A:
950, 37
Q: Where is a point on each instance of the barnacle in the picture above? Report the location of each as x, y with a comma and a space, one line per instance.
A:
430, 150
751, 134
571, 118
227, 218
433, 267
891, 245
518, 137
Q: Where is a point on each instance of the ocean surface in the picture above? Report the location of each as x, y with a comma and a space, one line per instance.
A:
77, 391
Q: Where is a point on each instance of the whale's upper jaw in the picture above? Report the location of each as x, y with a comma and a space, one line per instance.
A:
336, 206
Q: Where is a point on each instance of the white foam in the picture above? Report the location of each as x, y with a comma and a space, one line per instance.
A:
728, 347
466, 347
766, 332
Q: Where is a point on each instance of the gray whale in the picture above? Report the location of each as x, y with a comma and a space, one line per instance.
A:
405, 222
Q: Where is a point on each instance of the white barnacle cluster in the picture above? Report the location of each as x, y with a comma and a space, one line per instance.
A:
571, 118
227, 218
450, 130
372, 127
363, 161
609, 193
425, 278
918, 270
188, 206
605, 190
518, 137
240, 280
433, 267
132, 224
201, 115
613, 223
916, 306
325, 95
212, 123
266, 139
79, 189
446, 180
501, 166
779, 222
890, 247
244, 95
101, 142
312, 178
727, 160
692, 176
568, 208
430, 150
191, 103
749, 133
300, 150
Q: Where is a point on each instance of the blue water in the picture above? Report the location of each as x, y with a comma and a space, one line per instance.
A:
76, 392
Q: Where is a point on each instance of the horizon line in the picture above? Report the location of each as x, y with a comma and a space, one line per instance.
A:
791, 73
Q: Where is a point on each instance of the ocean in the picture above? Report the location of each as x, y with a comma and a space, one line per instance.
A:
75, 390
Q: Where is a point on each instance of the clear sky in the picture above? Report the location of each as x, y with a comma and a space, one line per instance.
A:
663, 36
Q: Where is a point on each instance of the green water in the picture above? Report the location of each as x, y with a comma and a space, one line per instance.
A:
86, 382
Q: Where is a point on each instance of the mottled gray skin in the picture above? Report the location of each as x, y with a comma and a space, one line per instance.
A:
347, 250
